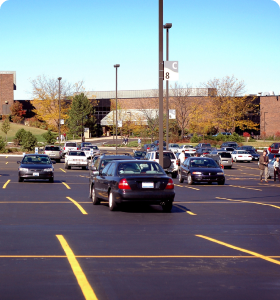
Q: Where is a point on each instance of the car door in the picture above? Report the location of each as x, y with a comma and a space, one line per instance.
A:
184, 169
100, 182
106, 178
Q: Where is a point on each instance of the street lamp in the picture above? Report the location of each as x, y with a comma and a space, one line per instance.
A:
116, 66
167, 26
59, 78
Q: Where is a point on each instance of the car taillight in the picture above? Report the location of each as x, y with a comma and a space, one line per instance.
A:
123, 185
177, 162
64, 148
44, 152
77, 148
232, 160
170, 185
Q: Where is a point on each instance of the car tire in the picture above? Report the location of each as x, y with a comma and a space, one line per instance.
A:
190, 181
20, 179
209, 182
167, 206
181, 179
95, 200
222, 182
51, 180
174, 174
112, 202
229, 167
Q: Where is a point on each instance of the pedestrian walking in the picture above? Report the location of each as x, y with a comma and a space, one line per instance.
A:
276, 166
263, 162
139, 142
126, 140
182, 157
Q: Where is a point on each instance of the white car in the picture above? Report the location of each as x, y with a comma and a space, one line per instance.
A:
76, 159
188, 149
173, 169
241, 155
86, 151
173, 147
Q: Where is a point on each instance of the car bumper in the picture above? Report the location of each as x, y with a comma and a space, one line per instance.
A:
77, 164
32, 175
197, 178
150, 197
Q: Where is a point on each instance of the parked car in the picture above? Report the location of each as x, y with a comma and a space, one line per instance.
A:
36, 166
86, 150
90, 149
228, 149
241, 155
255, 154
274, 148
156, 148
156, 143
226, 159
173, 147
201, 169
223, 133
177, 157
95, 149
70, 146
138, 181
85, 144
203, 145
148, 147
188, 148
54, 152
173, 169
230, 144
246, 148
76, 159
139, 154
203, 151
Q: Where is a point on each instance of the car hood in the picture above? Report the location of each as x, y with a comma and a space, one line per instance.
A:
36, 166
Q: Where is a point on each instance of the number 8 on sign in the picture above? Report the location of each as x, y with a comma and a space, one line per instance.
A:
171, 70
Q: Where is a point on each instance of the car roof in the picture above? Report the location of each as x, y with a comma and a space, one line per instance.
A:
31, 154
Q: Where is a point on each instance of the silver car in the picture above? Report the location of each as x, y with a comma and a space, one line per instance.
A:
54, 152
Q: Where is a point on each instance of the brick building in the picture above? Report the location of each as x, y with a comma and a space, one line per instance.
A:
269, 115
7, 87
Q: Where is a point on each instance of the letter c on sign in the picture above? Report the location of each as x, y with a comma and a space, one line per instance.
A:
173, 65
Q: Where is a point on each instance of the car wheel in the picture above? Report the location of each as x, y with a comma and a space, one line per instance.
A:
181, 179
209, 182
174, 175
222, 182
112, 202
167, 206
190, 181
95, 200
20, 179
229, 167
51, 180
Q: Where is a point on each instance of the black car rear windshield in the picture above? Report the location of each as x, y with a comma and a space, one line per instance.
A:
203, 163
133, 168
225, 155
70, 145
52, 149
36, 159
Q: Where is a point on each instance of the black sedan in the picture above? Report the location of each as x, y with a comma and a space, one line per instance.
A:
139, 154
201, 169
137, 181
36, 166
254, 153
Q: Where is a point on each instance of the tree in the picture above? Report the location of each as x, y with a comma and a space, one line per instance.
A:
19, 135
17, 112
80, 114
229, 108
6, 126
46, 99
29, 141
2, 144
49, 137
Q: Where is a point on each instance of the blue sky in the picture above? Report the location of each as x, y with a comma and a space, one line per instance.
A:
82, 40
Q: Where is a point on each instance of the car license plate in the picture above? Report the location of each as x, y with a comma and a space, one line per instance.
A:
147, 185
35, 174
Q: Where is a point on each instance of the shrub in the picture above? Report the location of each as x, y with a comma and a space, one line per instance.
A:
29, 141
196, 139
20, 135
49, 137
252, 140
2, 144
17, 119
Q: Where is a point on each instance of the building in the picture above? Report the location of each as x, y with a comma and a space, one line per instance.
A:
7, 87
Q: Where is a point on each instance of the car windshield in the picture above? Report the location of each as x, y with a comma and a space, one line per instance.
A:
139, 154
168, 154
133, 168
86, 149
225, 155
70, 145
203, 163
36, 159
51, 148
93, 147
76, 153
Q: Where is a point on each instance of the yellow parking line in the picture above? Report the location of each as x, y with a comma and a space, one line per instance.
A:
62, 170
7, 162
259, 203
241, 249
6, 156
68, 187
77, 270
183, 209
188, 187
78, 205
5, 185
243, 187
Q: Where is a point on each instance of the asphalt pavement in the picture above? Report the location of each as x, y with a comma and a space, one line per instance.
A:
219, 242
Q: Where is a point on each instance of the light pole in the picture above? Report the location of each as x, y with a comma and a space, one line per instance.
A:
167, 26
59, 133
116, 66
160, 79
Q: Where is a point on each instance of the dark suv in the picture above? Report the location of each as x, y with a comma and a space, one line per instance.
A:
230, 144
99, 164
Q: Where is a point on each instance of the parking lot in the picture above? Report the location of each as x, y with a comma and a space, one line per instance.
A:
219, 241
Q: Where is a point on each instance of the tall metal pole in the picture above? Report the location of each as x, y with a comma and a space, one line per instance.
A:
160, 79
59, 133
116, 66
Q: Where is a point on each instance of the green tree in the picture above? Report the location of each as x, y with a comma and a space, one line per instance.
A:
29, 141
2, 144
19, 135
6, 126
49, 137
80, 114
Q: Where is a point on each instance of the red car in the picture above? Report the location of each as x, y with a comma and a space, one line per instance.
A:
274, 148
